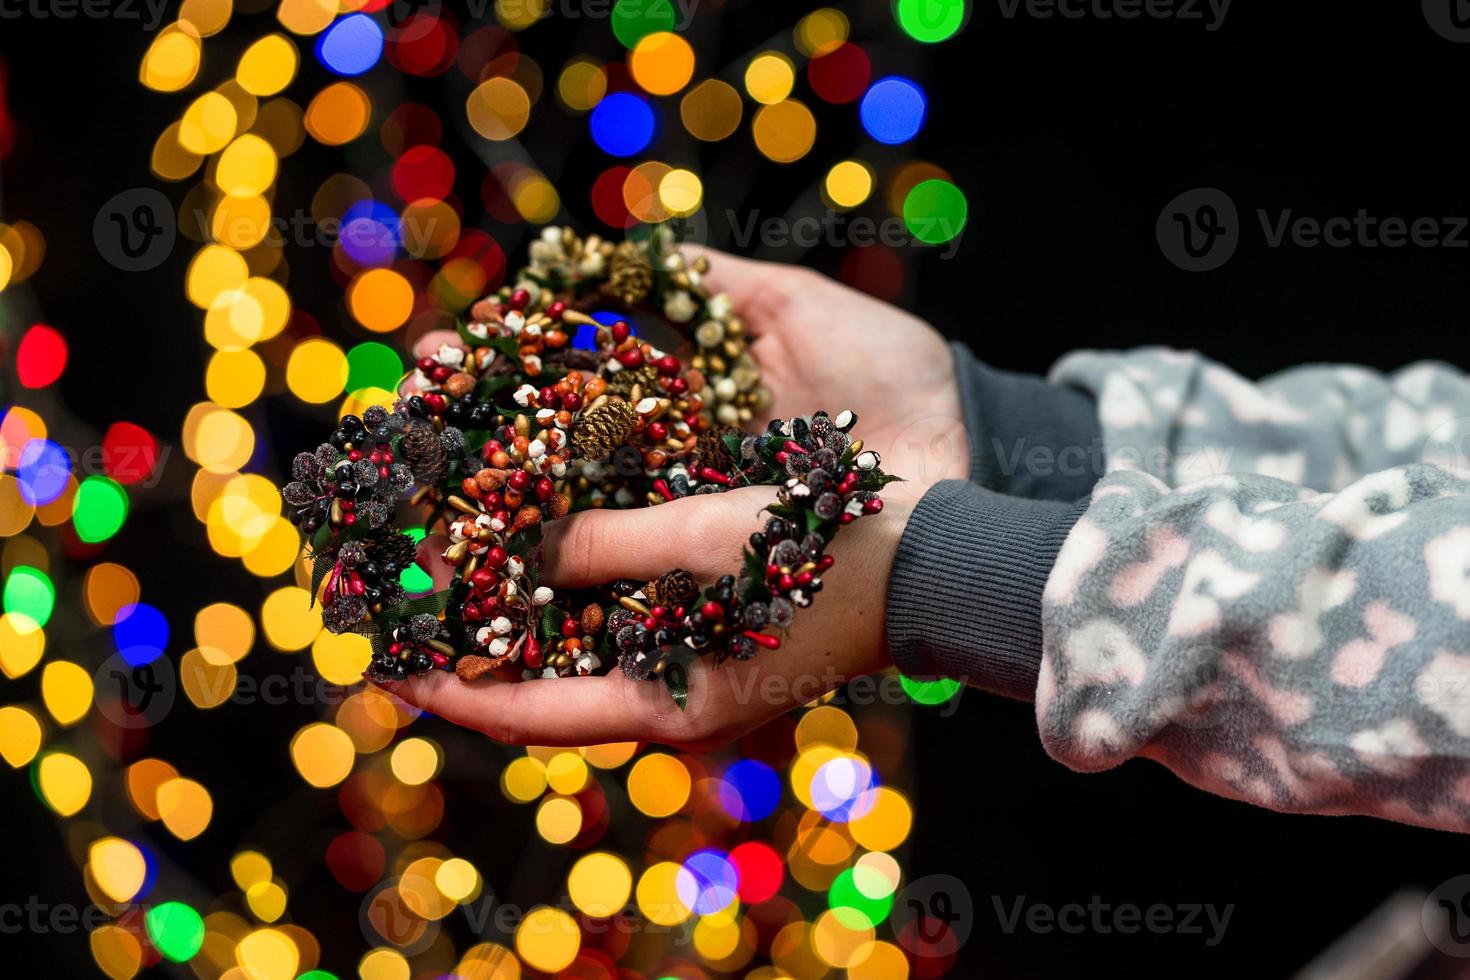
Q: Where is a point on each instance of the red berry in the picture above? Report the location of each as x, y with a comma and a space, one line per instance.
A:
426, 364
657, 431
804, 579
631, 358
520, 480
354, 455
496, 557
873, 506
544, 489
555, 310
532, 653
678, 387
472, 611
440, 374
349, 519
668, 365
620, 331
571, 401
520, 299
545, 397
483, 580
786, 583
382, 472
712, 610
436, 402
570, 627
439, 659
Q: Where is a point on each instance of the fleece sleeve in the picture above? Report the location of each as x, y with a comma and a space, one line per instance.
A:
1182, 417
1301, 651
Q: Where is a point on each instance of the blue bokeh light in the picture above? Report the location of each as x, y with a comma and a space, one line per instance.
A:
707, 882
844, 789
350, 46
42, 470
623, 124
140, 633
370, 233
750, 791
893, 110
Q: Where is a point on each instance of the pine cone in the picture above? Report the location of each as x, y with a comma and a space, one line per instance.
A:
388, 545
631, 278
424, 452
622, 383
673, 589
710, 449
603, 429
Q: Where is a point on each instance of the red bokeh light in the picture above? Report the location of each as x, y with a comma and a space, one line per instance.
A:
841, 76
129, 453
41, 356
423, 171
759, 869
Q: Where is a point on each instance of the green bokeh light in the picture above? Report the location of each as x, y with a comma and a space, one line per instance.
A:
413, 578
935, 211
854, 909
930, 21
317, 975
930, 692
29, 592
632, 20
373, 365
100, 507
175, 929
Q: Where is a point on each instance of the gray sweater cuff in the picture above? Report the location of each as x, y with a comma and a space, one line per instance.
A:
1028, 437
964, 598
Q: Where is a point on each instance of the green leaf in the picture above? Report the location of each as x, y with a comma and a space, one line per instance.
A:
466, 336
508, 346
524, 541
676, 679
877, 481
551, 620
321, 563
733, 441
375, 636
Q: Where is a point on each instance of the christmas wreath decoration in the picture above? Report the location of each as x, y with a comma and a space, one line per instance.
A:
519, 424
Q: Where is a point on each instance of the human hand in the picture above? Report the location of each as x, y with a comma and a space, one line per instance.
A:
840, 637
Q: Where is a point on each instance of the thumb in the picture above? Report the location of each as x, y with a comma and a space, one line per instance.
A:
759, 291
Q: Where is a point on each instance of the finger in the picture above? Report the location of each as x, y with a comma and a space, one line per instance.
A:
429, 556
563, 711
703, 534
430, 342
759, 291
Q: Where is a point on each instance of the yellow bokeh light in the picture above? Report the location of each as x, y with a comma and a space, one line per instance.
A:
886, 825
20, 736
185, 807
323, 754
249, 867
338, 114
15, 511
838, 939
826, 725
658, 784
548, 939
65, 781
268, 954
207, 16
769, 77
275, 550
848, 184
214, 270
498, 108
662, 62
821, 31
383, 964
658, 895
517, 15
118, 867
878, 960
457, 880
341, 657
599, 884
66, 688
246, 167
268, 65
172, 60
207, 684
381, 300
610, 755
208, 124
267, 899
316, 371
22, 643
566, 773
234, 379
288, 619
240, 222
415, 761
559, 819
118, 952
524, 780
784, 132
143, 779
582, 85
681, 192
306, 16
223, 441
224, 632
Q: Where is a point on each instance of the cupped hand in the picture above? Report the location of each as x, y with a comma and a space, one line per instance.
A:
838, 638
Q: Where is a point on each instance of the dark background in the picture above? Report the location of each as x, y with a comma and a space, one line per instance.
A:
1068, 137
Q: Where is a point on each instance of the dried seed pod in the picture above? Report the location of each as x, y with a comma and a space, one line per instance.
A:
631, 279
460, 384
601, 430
673, 589
558, 506
592, 619
471, 667
424, 452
